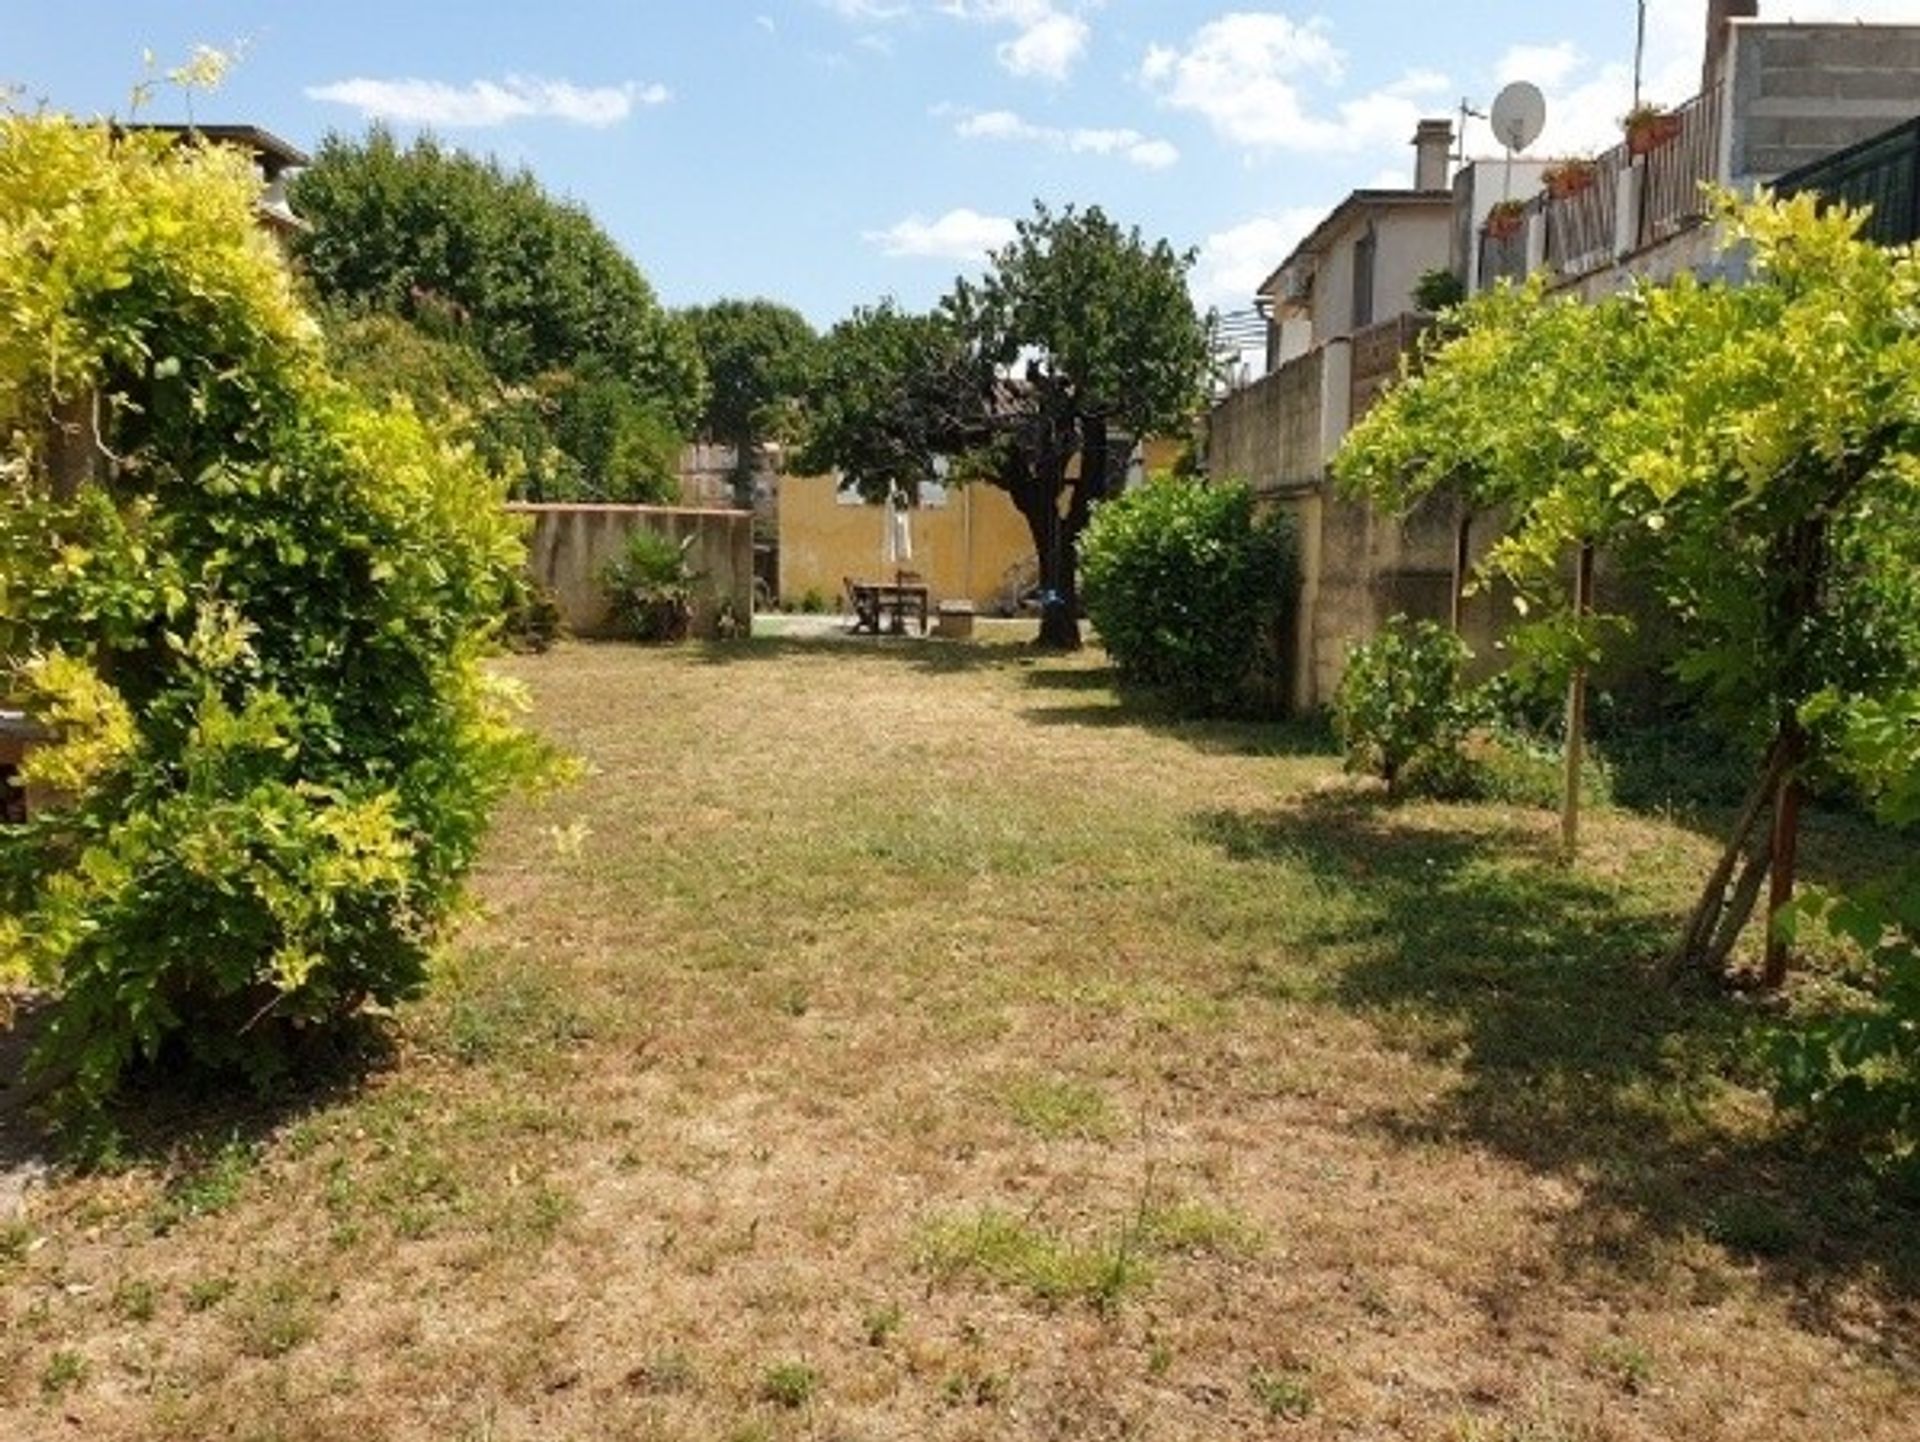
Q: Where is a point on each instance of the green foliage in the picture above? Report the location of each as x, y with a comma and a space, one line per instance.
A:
258, 634
1188, 589
890, 392
757, 355
1856, 1068
1079, 332
1437, 290
1402, 703
502, 315
431, 232
650, 586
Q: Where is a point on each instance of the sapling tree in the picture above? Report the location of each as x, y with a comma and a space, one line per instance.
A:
1750, 450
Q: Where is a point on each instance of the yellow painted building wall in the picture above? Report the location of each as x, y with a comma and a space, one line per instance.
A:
963, 549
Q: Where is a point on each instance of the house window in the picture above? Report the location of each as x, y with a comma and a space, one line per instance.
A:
1365, 252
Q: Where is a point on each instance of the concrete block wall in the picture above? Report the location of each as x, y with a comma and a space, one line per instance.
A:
1801, 92
568, 546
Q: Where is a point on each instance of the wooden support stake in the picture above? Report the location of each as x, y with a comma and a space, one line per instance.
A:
1576, 746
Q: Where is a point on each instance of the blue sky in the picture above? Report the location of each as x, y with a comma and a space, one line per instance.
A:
828, 152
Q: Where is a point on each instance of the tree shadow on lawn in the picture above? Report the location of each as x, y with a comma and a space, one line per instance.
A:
1150, 711
925, 653
1477, 945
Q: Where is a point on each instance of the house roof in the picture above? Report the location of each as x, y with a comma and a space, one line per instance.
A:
1355, 204
273, 153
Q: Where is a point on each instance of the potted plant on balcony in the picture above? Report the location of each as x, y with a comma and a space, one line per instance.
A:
1648, 127
1569, 178
1506, 220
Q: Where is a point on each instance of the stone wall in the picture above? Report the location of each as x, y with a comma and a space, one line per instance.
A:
568, 546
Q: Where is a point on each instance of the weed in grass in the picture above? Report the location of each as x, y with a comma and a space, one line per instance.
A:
499, 1009
789, 1384
881, 1324
1159, 1359
665, 1374
136, 1299
207, 1293
205, 1189
1013, 1252
1197, 1227
66, 1371
274, 1317
1285, 1396
971, 1387
1055, 1108
15, 1240
1627, 1364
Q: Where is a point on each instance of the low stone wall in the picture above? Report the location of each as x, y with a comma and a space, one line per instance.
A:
569, 545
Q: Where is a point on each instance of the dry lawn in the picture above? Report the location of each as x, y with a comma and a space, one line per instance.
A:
894, 1042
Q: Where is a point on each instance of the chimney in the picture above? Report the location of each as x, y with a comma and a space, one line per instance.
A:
1433, 154
1720, 17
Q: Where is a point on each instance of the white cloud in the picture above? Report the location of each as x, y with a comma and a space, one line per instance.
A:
959, 235
1234, 261
485, 103
1051, 38
867, 12
1245, 73
1130, 145
1543, 65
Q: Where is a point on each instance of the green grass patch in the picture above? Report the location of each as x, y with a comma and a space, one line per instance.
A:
1056, 1108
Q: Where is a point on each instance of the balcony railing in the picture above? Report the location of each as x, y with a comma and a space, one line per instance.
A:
1582, 228
1502, 258
1671, 198
1883, 172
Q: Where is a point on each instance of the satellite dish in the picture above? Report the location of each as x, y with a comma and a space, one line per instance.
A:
1519, 115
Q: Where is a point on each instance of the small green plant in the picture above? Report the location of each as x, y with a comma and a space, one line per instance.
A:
881, 1324
136, 1299
206, 1293
650, 586
1627, 1363
1188, 588
274, 1317
65, 1372
1286, 1396
789, 1384
533, 620
813, 602
1056, 1109
206, 1189
1402, 701
664, 1374
1438, 290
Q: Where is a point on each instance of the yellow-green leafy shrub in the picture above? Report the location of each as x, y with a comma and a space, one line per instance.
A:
256, 628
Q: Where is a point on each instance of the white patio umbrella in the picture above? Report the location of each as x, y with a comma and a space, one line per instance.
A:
897, 541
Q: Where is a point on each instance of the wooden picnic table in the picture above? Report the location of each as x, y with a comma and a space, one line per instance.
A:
875, 600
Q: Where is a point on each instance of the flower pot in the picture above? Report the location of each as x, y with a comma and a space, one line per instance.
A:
1567, 183
1505, 225
1648, 135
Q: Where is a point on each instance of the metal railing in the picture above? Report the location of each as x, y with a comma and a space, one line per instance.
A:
1883, 172
1671, 198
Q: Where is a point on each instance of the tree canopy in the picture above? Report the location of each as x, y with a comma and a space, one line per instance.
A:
539, 285
756, 354
1078, 330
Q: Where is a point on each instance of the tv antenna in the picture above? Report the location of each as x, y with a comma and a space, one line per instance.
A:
1519, 115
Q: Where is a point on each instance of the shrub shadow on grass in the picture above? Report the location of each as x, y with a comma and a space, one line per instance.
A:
1474, 943
175, 1115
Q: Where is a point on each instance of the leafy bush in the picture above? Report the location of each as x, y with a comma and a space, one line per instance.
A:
1188, 590
1857, 1069
650, 586
1437, 290
257, 636
1403, 708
